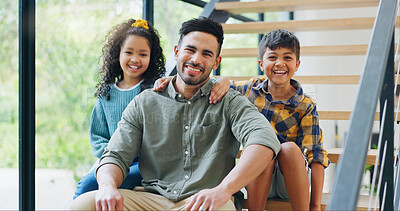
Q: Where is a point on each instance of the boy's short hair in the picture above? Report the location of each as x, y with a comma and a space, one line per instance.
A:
280, 38
203, 24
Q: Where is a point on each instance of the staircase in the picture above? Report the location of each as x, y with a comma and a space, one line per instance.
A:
310, 26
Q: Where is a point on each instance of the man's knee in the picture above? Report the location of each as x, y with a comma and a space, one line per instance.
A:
85, 201
230, 205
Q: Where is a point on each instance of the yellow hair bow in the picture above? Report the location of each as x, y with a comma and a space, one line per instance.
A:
140, 23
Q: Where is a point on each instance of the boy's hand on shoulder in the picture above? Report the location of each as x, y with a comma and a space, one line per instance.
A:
219, 89
161, 84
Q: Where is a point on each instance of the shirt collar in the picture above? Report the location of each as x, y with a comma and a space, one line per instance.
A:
294, 100
203, 91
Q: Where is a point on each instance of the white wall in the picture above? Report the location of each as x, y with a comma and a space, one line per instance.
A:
334, 97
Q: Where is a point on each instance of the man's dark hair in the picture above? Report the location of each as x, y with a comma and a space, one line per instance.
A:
280, 38
203, 24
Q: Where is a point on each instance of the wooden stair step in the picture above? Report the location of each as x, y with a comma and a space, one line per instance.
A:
316, 79
305, 51
340, 115
302, 25
290, 5
279, 204
334, 154
321, 79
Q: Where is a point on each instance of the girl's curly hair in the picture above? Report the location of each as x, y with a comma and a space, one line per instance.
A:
111, 70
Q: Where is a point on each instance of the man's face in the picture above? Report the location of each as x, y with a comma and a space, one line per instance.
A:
196, 56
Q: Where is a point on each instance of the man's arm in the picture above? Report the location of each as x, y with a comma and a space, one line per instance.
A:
109, 178
317, 184
253, 161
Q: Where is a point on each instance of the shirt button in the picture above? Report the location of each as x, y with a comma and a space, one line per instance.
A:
189, 102
186, 152
186, 177
175, 192
186, 127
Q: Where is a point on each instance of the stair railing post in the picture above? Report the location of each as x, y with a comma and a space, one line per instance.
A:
388, 130
347, 185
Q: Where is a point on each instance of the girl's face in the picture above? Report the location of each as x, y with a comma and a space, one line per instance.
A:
134, 58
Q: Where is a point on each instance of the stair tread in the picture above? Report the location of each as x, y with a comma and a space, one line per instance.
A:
334, 154
327, 50
290, 5
280, 204
303, 25
318, 79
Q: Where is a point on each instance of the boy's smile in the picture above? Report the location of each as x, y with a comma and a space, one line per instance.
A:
279, 65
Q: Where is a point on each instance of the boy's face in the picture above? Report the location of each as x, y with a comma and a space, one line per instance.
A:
279, 65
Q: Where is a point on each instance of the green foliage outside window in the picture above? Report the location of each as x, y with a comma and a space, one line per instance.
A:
69, 38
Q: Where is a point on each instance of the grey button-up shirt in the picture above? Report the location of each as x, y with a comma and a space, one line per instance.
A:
186, 145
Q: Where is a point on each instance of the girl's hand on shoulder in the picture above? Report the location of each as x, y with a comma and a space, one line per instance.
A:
219, 89
161, 84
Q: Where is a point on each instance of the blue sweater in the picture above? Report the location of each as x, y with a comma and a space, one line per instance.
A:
106, 115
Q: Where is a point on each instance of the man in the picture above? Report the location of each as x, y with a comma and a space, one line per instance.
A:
187, 145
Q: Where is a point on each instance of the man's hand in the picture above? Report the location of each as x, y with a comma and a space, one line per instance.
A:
109, 177
109, 198
219, 89
161, 84
208, 199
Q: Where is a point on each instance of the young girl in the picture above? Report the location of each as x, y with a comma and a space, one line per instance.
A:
132, 61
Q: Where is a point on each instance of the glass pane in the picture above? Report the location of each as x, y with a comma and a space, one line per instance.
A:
9, 104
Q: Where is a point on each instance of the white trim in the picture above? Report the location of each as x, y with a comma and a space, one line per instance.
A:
129, 89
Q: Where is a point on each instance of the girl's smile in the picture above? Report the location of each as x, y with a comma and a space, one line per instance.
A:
134, 59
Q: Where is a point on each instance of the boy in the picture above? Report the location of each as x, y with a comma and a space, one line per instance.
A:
294, 117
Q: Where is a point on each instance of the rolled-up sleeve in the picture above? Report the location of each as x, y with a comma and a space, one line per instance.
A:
313, 138
249, 126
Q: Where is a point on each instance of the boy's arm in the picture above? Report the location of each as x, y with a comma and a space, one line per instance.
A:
316, 155
219, 89
222, 85
317, 184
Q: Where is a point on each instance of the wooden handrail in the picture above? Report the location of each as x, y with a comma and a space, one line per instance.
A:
290, 5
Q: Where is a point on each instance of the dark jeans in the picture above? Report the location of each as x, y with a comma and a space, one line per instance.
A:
89, 182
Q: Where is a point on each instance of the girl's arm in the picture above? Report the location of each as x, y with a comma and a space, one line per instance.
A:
161, 83
98, 130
